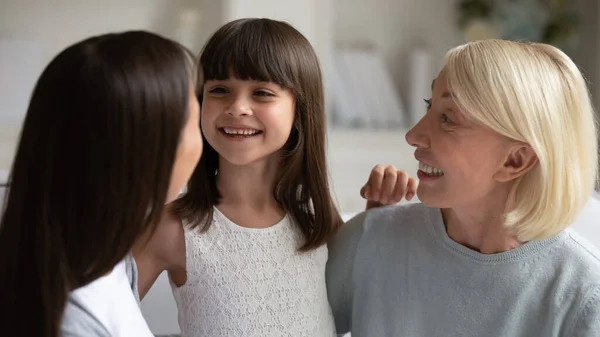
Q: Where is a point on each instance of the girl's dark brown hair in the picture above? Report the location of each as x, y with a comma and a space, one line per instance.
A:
271, 51
91, 171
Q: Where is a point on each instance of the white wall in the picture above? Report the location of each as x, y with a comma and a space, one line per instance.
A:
301, 14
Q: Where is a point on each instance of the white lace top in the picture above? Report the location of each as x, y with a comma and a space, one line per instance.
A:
252, 282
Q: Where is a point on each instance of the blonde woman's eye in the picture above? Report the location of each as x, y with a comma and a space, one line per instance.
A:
446, 119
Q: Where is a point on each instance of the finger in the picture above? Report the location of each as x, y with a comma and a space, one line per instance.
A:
413, 184
401, 188
373, 204
375, 181
388, 184
364, 191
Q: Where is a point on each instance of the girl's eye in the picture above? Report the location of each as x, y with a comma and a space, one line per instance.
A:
446, 119
218, 90
427, 103
263, 93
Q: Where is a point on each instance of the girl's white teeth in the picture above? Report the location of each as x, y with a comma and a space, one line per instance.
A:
245, 132
430, 170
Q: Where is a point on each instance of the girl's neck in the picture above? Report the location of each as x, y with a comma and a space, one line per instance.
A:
250, 184
247, 193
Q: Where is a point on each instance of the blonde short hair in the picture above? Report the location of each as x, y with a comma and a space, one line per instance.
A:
532, 93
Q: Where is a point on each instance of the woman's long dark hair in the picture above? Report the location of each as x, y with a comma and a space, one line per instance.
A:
91, 170
271, 51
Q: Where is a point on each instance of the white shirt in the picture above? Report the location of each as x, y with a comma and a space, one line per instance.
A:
105, 307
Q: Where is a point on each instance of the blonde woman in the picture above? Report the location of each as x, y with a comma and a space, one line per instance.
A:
507, 157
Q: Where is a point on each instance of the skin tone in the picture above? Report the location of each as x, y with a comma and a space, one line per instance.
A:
248, 123
189, 149
188, 154
468, 171
149, 252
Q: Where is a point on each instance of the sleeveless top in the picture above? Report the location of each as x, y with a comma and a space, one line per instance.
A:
252, 282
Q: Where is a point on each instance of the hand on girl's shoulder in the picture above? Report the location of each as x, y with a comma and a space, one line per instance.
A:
387, 186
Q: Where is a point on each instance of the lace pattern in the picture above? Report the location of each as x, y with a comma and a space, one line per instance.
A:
253, 282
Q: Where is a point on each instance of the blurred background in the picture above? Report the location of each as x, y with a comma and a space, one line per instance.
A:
378, 59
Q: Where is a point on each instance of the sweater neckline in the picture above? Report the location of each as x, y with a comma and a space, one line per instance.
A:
438, 230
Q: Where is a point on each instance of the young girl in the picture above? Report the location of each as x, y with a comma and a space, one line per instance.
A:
111, 134
245, 247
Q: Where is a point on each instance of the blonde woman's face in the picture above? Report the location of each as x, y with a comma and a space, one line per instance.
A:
459, 159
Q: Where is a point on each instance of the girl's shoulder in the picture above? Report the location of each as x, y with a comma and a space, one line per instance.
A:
168, 238
163, 249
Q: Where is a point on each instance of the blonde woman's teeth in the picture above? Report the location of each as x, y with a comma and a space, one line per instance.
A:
430, 170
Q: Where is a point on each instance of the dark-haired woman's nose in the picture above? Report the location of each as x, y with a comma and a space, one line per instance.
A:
418, 135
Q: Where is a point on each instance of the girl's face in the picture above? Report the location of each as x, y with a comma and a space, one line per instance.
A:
188, 151
246, 121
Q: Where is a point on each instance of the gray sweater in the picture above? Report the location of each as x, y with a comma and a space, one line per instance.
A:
394, 271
